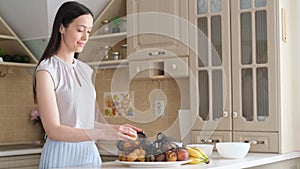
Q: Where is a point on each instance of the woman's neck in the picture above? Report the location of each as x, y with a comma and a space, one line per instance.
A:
68, 57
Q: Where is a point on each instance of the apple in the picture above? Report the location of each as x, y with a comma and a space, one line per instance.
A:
160, 157
182, 154
171, 155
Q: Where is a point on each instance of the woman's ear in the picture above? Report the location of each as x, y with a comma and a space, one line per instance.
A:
61, 29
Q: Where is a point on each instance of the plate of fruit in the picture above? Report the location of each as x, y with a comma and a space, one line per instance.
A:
162, 152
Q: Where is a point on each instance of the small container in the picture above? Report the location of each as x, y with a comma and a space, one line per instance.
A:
106, 28
123, 24
123, 53
115, 55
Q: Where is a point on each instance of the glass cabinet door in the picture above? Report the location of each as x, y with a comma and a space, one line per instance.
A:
253, 65
210, 63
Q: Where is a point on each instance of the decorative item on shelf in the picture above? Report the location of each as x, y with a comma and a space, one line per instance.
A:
123, 24
1, 53
35, 117
16, 58
116, 25
106, 28
115, 55
106, 52
123, 53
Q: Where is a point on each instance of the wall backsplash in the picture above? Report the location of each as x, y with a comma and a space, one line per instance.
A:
16, 103
142, 89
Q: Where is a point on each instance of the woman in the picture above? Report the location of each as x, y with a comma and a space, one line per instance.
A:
66, 96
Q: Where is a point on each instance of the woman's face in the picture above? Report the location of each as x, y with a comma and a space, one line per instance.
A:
75, 36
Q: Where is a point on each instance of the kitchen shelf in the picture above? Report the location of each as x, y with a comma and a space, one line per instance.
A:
110, 64
15, 64
7, 37
111, 35
11, 44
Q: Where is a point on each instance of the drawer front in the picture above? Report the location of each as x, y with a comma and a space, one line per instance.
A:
210, 137
139, 69
260, 141
177, 67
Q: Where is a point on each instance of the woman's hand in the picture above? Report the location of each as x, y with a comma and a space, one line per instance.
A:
127, 131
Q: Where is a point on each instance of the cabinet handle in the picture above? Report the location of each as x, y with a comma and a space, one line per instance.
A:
254, 142
225, 114
174, 67
137, 69
234, 114
156, 53
209, 141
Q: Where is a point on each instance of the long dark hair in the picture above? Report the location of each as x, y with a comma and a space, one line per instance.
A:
65, 15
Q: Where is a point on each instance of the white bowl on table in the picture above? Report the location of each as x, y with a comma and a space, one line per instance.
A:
233, 149
206, 148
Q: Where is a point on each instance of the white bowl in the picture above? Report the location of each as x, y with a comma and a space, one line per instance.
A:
206, 148
233, 149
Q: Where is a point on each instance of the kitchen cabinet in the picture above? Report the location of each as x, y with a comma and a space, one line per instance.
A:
157, 37
11, 44
103, 42
242, 73
157, 28
156, 69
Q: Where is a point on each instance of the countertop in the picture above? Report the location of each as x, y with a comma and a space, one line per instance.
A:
20, 149
217, 162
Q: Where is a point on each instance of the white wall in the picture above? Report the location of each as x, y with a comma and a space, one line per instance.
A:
28, 18
32, 19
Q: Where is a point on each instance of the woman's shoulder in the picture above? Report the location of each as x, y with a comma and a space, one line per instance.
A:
46, 64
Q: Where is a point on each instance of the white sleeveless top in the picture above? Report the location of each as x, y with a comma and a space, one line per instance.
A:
74, 90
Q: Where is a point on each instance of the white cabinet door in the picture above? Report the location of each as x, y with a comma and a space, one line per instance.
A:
158, 24
210, 62
253, 65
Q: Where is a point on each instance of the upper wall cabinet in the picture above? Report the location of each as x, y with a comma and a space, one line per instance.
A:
243, 65
157, 29
16, 52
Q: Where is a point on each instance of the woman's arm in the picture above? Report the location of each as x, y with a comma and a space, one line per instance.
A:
49, 113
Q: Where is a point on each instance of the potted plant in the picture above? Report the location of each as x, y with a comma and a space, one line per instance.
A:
116, 22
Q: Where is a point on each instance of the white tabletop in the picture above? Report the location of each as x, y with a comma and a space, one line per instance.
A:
217, 162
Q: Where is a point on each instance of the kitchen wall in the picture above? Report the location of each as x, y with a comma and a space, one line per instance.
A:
16, 103
176, 93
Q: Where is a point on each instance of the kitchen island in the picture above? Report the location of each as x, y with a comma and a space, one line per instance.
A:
252, 160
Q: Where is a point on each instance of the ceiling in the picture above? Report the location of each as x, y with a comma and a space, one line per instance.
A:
32, 19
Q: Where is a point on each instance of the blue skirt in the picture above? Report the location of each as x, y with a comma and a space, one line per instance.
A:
58, 154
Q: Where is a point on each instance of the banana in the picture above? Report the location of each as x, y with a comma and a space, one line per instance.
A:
195, 160
193, 153
204, 157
